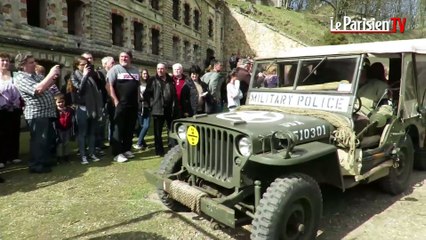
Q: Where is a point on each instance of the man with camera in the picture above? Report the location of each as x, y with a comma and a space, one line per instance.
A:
101, 83
39, 110
88, 101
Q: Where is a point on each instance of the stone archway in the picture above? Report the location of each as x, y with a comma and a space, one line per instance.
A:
209, 56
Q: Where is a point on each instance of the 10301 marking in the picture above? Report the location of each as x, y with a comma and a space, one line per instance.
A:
309, 133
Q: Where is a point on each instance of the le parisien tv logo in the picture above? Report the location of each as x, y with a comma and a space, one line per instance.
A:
349, 25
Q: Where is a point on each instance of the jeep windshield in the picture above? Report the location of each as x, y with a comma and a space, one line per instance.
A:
325, 83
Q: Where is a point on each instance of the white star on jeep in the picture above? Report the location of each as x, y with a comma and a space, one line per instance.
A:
251, 116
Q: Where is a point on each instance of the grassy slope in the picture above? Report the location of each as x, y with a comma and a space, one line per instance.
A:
309, 28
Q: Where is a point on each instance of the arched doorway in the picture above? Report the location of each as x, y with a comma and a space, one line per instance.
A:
209, 57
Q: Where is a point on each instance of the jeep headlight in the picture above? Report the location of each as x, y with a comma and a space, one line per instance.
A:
244, 146
181, 132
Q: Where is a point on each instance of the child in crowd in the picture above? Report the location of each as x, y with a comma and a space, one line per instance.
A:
64, 127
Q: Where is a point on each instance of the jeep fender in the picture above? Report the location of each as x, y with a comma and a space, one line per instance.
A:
316, 159
300, 154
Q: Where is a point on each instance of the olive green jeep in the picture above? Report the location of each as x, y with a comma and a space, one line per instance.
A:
302, 127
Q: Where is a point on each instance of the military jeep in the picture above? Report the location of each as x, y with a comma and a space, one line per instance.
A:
264, 163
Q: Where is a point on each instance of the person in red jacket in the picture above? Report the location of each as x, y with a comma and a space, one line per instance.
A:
64, 128
179, 82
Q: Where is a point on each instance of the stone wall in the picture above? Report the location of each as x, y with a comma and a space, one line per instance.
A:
246, 36
273, 3
52, 41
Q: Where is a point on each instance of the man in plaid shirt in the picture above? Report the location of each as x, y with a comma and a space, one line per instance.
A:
39, 109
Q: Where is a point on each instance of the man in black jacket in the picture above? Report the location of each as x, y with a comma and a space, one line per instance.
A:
100, 79
161, 94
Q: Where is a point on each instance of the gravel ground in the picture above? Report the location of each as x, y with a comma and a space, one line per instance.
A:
360, 213
366, 213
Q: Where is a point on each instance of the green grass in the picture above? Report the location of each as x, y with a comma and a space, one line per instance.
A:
74, 198
103, 200
307, 27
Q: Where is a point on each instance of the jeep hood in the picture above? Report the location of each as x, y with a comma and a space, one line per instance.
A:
263, 123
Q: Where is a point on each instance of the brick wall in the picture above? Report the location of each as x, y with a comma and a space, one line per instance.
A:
232, 32
53, 41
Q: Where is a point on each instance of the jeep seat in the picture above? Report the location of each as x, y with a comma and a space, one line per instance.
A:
371, 138
370, 141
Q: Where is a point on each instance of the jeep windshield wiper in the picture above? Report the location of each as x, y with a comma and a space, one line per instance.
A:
315, 68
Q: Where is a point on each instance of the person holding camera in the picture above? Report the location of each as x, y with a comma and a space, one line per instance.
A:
39, 109
88, 101
100, 78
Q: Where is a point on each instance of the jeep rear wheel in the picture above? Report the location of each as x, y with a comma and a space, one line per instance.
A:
172, 163
290, 208
399, 176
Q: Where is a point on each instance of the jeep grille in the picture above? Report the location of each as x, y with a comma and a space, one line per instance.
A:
213, 155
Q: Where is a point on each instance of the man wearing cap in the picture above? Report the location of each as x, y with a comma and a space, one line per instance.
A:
39, 109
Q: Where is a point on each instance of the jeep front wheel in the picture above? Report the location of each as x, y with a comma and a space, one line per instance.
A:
290, 208
172, 163
399, 176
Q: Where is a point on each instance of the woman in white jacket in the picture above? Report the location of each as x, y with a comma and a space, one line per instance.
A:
233, 91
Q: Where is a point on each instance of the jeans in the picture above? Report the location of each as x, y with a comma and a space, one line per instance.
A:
86, 132
62, 147
41, 132
144, 120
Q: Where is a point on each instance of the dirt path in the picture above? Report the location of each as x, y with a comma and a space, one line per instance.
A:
361, 213
366, 213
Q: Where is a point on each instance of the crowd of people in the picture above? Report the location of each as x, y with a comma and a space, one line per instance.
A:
112, 99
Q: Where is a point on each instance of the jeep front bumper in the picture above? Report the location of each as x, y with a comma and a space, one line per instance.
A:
203, 203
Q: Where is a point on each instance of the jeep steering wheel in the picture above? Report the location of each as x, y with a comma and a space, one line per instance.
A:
357, 105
